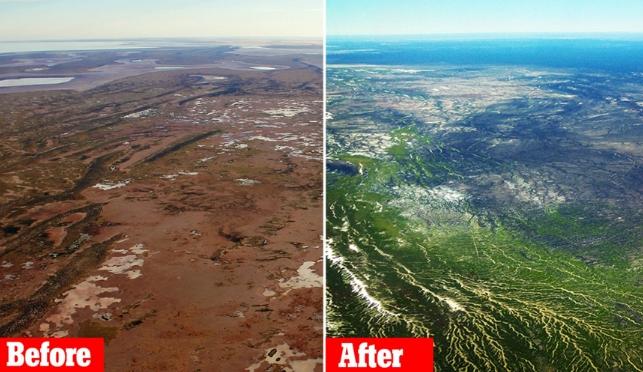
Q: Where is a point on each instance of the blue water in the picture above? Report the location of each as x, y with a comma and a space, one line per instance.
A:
614, 54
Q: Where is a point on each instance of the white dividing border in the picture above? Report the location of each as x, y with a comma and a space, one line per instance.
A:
323, 243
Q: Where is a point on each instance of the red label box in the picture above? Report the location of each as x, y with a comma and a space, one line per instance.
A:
379, 354
52, 354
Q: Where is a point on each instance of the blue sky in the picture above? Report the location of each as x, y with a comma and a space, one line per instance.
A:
65, 19
391, 17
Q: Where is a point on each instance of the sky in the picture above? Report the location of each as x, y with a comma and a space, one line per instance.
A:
415, 17
114, 19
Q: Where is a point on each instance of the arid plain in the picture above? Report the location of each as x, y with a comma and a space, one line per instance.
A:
168, 200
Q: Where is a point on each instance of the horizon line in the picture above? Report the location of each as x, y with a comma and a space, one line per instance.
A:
161, 38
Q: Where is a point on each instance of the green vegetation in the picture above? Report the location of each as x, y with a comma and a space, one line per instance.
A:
495, 296
492, 234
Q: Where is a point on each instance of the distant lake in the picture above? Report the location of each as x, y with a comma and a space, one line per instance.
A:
169, 68
45, 46
34, 81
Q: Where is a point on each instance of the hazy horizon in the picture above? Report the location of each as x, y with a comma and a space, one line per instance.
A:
160, 38
418, 17
75, 20
26, 46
